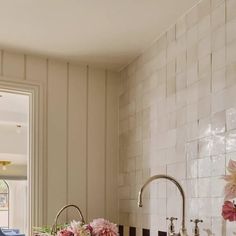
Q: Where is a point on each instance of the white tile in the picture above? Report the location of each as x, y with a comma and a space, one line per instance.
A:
181, 117
192, 150
230, 9
192, 131
192, 55
217, 203
192, 112
204, 26
177, 170
204, 46
171, 34
204, 167
204, 187
192, 188
218, 59
181, 62
181, 81
205, 66
218, 102
192, 74
217, 187
218, 38
204, 107
205, 147
218, 165
218, 16
231, 75
231, 31
231, 53
231, 141
219, 80
205, 127
218, 144
215, 3
219, 122
192, 36
204, 8
231, 118
192, 17
204, 87
180, 27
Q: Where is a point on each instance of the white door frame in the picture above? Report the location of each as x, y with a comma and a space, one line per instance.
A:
37, 152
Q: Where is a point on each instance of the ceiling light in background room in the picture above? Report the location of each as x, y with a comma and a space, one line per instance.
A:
4, 164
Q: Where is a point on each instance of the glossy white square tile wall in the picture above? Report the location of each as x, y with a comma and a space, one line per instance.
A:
178, 117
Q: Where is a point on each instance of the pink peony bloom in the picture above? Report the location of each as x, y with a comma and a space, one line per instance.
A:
65, 232
232, 167
230, 188
230, 191
79, 229
103, 227
229, 211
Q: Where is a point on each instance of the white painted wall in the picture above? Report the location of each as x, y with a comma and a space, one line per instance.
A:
81, 146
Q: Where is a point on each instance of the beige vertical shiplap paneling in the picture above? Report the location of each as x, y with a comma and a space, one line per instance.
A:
1, 56
77, 137
36, 69
57, 137
96, 144
13, 65
81, 133
112, 146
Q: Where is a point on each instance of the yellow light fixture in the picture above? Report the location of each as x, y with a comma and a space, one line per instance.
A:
4, 164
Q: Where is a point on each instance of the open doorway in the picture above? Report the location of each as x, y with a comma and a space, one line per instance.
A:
14, 162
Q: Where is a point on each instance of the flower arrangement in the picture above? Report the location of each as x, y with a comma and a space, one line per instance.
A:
229, 207
101, 227
98, 227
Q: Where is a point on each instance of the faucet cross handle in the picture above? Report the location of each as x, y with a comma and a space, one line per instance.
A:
171, 219
171, 228
196, 230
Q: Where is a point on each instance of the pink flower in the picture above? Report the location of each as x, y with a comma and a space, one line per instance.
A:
65, 232
230, 188
229, 211
232, 167
79, 229
230, 191
103, 227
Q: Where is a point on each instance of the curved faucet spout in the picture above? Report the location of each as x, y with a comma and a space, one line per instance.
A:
140, 199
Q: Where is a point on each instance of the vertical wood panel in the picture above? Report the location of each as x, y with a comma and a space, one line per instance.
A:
112, 146
96, 144
1, 56
36, 69
57, 137
14, 65
77, 137
90, 141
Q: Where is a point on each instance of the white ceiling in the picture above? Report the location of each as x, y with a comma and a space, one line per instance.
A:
14, 108
107, 33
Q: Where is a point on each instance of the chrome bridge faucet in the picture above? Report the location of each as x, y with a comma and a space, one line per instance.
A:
183, 231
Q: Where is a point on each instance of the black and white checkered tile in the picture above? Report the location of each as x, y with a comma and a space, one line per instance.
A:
131, 231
